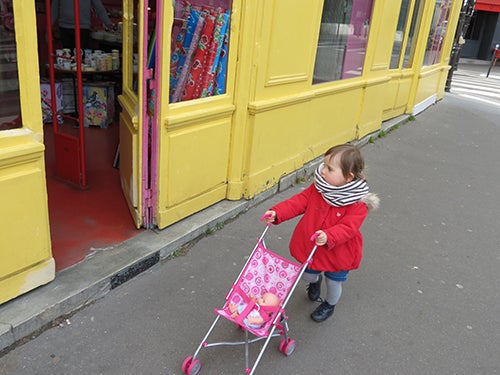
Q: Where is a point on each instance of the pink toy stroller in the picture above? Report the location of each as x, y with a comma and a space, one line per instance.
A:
263, 272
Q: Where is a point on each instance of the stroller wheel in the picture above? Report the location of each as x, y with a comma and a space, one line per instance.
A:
287, 347
186, 364
191, 367
194, 368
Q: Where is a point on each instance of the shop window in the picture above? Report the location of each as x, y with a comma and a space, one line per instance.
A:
399, 35
342, 40
10, 109
412, 34
438, 32
199, 50
130, 31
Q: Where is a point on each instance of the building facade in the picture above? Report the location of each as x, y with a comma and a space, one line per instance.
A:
483, 32
220, 99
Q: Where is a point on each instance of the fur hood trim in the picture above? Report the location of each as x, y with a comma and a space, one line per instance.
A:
371, 200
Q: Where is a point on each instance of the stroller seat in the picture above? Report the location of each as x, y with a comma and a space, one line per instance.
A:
264, 272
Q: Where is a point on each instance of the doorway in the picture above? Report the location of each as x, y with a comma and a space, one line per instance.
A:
85, 221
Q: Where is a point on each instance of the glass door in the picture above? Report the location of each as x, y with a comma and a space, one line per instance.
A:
69, 141
137, 118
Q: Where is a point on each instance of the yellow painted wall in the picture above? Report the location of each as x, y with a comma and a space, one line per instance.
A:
274, 120
290, 121
194, 140
397, 93
25, 250
194, 157
25, 241
271, 121
394, 91
130, 162
432, 79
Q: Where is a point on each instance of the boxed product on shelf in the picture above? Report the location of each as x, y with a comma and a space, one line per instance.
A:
47, 100
68, 95
98, 103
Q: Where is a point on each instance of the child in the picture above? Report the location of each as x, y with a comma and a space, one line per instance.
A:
333, 208
254, 318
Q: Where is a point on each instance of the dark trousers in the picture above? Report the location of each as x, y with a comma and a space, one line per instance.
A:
68, 38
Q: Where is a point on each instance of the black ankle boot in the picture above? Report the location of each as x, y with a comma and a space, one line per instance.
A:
314, 289
322, 312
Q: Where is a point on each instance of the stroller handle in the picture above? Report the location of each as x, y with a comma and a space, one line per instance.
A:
265, 216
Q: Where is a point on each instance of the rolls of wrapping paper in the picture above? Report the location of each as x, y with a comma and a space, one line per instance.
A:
199, 60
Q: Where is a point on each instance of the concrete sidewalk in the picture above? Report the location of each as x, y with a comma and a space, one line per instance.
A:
76, 287
82, 284
424, 301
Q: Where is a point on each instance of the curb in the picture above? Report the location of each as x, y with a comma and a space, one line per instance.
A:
28, 315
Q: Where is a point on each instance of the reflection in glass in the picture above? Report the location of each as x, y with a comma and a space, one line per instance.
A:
398, 36
10, 108
415, 23
130, 44
343, 38
135, 46
438, 32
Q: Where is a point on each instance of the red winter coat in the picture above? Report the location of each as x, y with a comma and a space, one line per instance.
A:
344, 248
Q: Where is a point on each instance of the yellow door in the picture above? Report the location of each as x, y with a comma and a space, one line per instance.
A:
134, 117
194, 108
25, 252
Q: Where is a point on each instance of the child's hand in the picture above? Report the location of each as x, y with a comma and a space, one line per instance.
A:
270, 216
321, 238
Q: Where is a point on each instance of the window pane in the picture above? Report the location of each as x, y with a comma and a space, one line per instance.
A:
342, 41
414, 26
398, 37
130, 44
10, 109
438, 32
199, 50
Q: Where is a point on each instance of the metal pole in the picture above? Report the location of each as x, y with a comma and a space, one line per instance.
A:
494, 59
50, 45
462, 26
79, 104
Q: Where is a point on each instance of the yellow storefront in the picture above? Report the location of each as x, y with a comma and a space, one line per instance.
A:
298, 76
25, 252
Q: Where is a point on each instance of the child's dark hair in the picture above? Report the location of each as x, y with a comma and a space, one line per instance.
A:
351, 160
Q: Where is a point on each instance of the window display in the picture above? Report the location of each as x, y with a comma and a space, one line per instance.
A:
199, 50
413, 33
10, 110
342, 41
438, 32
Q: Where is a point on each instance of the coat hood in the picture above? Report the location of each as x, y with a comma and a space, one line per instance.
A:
371, 200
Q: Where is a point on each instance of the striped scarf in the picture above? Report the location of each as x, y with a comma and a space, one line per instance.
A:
339, 196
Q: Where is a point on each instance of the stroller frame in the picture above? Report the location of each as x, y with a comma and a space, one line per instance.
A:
278, 321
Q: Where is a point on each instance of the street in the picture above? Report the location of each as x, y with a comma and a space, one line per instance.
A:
424, 301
